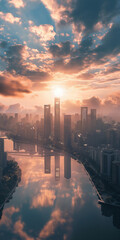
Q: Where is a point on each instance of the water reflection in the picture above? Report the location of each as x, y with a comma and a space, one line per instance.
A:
57, 166
47, 159
54, 200
67, 166
113, 212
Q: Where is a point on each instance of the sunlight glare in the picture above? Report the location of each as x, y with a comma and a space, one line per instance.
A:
58, 92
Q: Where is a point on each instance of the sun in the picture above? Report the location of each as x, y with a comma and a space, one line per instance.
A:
58, 92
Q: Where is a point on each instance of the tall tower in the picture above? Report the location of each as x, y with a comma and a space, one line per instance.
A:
57, 119
47, 122
67, 131
84, 118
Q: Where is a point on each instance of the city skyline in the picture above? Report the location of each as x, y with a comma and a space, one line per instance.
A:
47, 46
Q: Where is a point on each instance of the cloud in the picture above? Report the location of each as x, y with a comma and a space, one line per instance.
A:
87, 55
45, 32
14, 108
45, 198
8, 17
2, 107
17, 3
89, 13
19, 230
56, 9
110, 44
17, 59
7, 216
93, 102
52, 224
37, 76
39, 109
87, 16
63, 49
3, 44
13, 85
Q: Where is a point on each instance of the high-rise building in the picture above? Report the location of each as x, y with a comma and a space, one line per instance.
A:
67, 131
113, 137
16, 117
116, 173
57, 119
57, 166
27, 117
67, 166
84, 118
47, 122
1, 144
107, 157
93, 119
3, 157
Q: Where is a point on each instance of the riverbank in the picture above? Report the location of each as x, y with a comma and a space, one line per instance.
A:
10, 179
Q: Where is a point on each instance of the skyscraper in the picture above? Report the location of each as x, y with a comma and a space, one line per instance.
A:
67, 131
3, 157
67, 166
107, 157
57, 119
47, 122
93, 119
84, 118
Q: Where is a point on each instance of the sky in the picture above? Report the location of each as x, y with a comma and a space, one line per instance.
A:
69, 44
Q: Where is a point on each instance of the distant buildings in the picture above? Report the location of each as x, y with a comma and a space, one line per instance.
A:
93, 120
3, 157
116, 173
84, 119
67, 131
107, 162
57, 120
107, 157
47, 122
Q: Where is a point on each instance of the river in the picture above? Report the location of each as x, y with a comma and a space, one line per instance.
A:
54, 200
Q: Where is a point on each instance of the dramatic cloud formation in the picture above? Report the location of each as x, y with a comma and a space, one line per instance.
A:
89, 13
12, 86
44, 32
17, 3
61, 50
73, 44
8, 17
16, 58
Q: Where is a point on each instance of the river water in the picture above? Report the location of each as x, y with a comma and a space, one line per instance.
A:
54, 200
